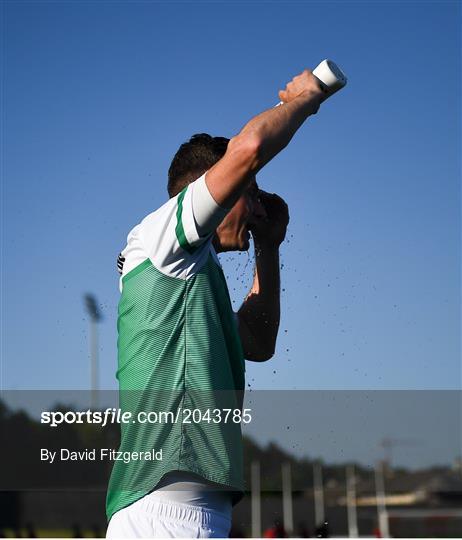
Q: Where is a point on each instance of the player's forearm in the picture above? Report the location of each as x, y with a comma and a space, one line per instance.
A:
261, 309
262, 138
257, 143
274, 128
267, 279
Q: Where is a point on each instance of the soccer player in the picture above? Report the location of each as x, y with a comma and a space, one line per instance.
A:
181, 348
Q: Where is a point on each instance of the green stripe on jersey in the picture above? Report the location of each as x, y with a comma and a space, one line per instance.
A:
179, 229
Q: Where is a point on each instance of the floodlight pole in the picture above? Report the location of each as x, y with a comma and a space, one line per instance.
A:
94, 365
95, 316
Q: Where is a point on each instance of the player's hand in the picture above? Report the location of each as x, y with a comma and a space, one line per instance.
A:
269, 220
304, 85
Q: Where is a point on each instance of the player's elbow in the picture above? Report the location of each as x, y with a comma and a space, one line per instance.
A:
260, 355
246, 147
264, 357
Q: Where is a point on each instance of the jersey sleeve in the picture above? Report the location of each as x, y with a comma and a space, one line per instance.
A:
198, 214
177, 236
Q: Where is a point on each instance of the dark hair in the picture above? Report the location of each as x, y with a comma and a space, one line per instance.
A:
193, 159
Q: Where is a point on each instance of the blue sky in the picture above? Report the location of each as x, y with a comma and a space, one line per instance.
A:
97, 96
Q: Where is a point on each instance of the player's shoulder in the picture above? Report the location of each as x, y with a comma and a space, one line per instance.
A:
167, 237
157, 217
153, 224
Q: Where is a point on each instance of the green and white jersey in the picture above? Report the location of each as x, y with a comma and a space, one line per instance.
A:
178, 352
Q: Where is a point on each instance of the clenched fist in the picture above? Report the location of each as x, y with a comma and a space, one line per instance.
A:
304, 85
269, 225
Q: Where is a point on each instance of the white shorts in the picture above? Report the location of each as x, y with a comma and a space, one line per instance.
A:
150, 518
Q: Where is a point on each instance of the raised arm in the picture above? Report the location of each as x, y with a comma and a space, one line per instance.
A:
263, 138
